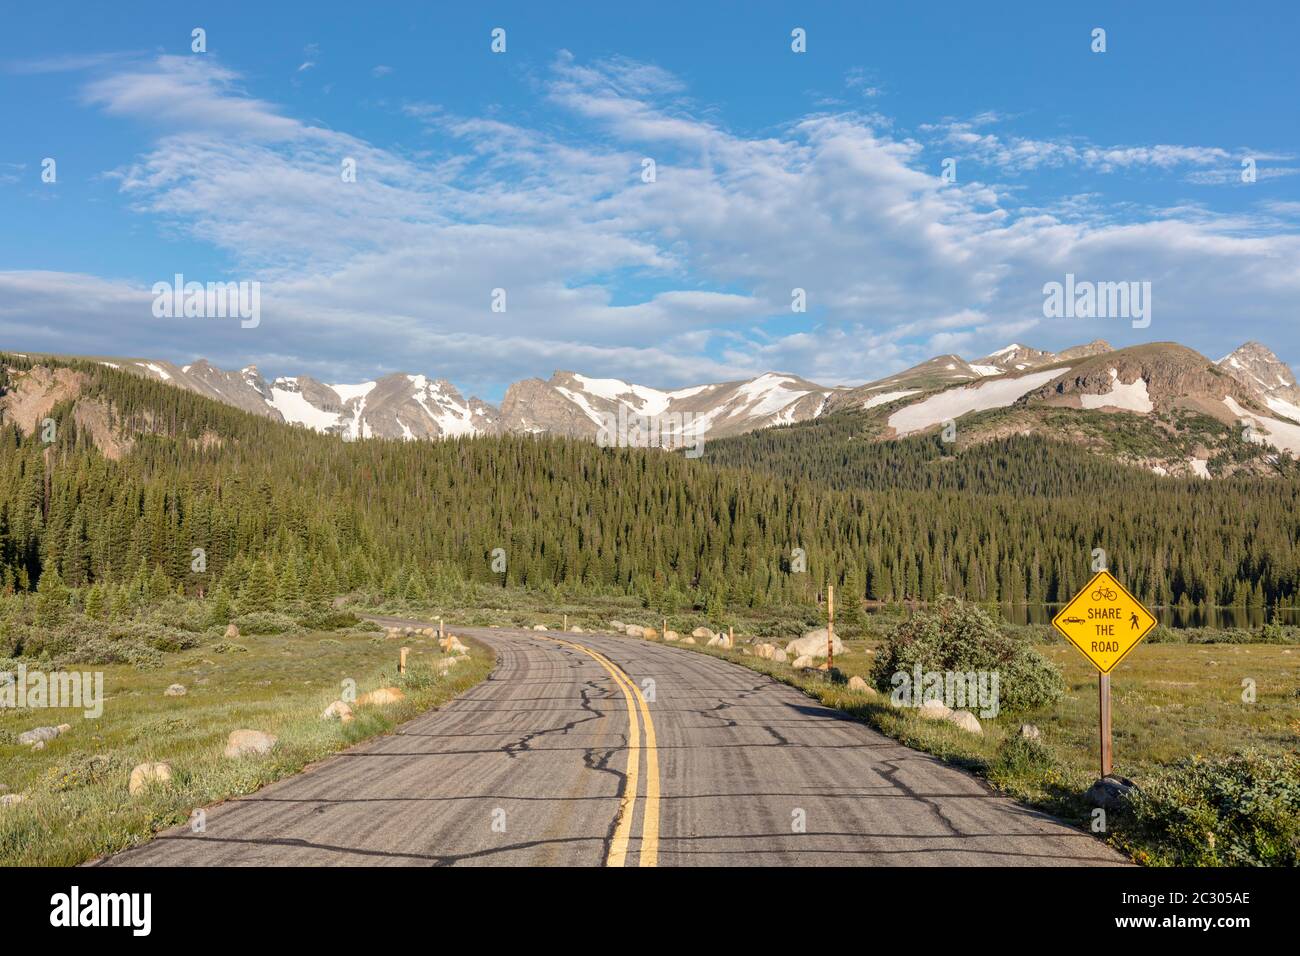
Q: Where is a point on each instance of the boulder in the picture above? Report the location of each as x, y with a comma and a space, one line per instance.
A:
1110, 793
575, 629
634, 630
618, 626
146, 774
672, 636
701, 632
454, 646
804, 660
232, 632
649, 633
813, 644
779, 656
380, 697
965, 720
540, 627
38, 735
447, 663
1030, 732
175, 690
934, 710
244, 743
687, 640
339, 710
859, 686
764, 651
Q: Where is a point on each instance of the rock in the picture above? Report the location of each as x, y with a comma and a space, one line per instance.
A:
454, 646
175, 690
701, 632
1110, 793
575, 630
671, 636
38, 735
63, 728
934, 710
447, 663
339, 710
232, 632
540, 627
634, 630
39, 745
380, 697
12, 799
813, 644
965, 720
146, 774
714, 641
618, 626
243, 743
859, 686
779, 656
1030, 732
649, 633
802, 661
687, 640
745, 651
764, 651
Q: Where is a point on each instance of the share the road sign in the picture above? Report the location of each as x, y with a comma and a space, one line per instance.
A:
1104, 621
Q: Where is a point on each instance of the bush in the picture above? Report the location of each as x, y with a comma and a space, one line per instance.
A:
957, 636
1020, 757
265, 622
1242, 810
328, 619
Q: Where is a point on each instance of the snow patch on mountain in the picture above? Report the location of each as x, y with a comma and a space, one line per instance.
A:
1131, 396
955, 402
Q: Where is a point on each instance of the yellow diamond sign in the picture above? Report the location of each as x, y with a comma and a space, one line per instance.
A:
1104, 621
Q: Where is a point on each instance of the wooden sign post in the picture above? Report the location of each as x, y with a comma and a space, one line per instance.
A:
1103, 703
830, 627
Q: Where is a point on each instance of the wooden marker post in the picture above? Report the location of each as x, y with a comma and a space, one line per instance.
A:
441, 634
401, 663
830, 627
565, 625
731, 638
1103, 701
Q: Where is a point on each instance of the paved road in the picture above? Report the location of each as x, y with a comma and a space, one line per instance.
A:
586, 749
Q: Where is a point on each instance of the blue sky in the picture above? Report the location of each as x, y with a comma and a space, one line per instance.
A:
523, 171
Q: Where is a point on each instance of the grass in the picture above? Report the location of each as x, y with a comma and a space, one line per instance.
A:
78, 806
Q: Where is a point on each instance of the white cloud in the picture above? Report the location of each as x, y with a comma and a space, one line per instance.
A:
400, 265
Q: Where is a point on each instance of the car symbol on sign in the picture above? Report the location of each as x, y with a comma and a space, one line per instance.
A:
1072, 620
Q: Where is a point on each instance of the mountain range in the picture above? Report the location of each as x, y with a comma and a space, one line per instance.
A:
1194, 405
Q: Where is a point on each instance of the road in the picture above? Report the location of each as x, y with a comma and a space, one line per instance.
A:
593, 750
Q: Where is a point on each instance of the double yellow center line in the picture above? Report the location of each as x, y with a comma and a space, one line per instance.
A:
636, 702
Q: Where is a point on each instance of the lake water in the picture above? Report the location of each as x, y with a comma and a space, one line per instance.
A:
1168, 616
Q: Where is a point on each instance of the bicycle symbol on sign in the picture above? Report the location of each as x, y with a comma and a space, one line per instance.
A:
1105, 594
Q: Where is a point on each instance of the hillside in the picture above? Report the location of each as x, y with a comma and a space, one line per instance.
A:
139, 474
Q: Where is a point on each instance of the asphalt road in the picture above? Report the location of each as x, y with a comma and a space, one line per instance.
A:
592, 750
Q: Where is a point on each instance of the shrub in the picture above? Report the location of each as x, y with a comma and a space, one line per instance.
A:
1241, 810
1020, 757
265, 622
957, 636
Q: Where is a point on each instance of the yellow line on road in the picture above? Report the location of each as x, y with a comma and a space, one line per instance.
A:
617, 855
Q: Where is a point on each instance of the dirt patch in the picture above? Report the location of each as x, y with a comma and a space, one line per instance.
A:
35, 393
